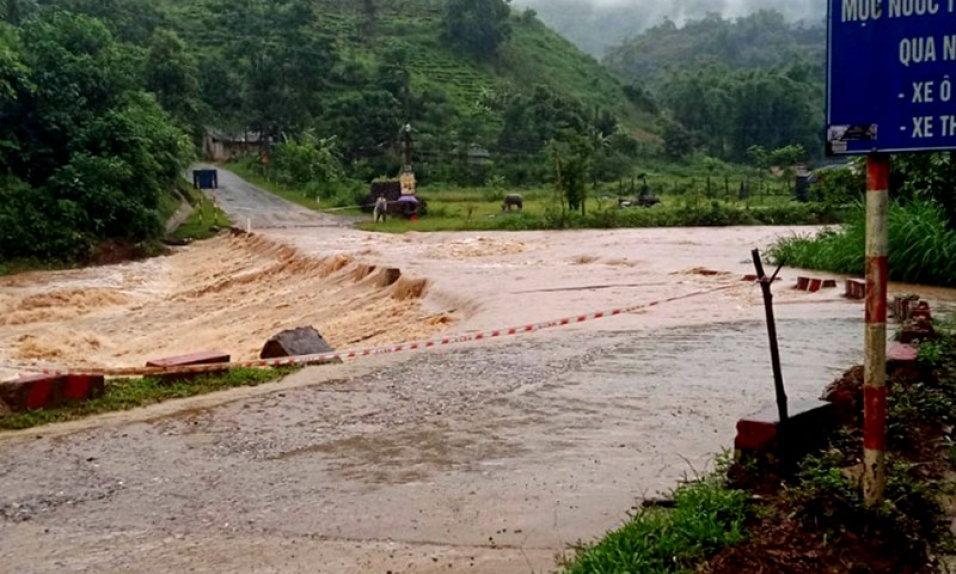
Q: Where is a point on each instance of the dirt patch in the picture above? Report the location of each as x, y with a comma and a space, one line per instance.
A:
779, 544
815, 521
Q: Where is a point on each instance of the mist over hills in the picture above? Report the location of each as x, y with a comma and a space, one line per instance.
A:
597, 25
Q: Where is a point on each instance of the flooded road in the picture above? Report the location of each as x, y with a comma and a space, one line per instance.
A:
489, 457
486, 459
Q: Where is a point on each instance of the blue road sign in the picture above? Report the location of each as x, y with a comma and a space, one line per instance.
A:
891, 76
205, 179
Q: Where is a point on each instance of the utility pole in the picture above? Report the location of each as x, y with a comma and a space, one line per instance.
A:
874, 369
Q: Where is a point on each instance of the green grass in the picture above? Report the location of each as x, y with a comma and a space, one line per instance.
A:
922, 247
707, 517
126, 394
168, 205
204, 221
475, 210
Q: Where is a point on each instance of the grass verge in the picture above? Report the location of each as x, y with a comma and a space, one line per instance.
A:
706, 517
445, 215
126, 394
921, 244
205, 220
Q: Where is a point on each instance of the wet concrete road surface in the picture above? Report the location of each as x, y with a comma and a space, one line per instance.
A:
482, 459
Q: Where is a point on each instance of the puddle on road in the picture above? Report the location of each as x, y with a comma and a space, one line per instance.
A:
404, 456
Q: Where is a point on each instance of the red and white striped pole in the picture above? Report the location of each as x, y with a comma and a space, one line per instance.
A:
874, 373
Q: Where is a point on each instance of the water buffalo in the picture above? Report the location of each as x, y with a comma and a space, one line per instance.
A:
512, 200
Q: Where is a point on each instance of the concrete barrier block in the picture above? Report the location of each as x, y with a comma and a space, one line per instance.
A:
901, 354
921, 311
855, 289
808, 423
199, 358
84, 387
33, 392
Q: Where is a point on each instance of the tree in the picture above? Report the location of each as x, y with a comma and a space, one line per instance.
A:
758, 156
14, 79
574, 154
678, 141
222, 92
370, 18
173, 75
132, 21
788, 156
88, 152
477, 27
282, 59
309, 162
365, 122
15, 11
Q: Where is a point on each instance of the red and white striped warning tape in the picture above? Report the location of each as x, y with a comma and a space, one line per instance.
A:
367, 352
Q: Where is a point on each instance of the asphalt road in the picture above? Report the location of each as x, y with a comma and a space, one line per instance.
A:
246, 203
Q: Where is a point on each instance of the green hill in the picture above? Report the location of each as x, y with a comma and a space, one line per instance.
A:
487, 90
534, 56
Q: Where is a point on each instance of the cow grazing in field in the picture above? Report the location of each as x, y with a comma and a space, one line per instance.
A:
512, 200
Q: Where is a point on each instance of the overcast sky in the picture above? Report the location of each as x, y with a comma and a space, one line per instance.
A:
653, 11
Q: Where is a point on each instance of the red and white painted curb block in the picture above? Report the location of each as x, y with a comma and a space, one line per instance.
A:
855, 289
371, 351
814, 284
46, 391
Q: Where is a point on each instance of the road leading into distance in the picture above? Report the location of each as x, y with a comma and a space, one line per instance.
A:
243, 201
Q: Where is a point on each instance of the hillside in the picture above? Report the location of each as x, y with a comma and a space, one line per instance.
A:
732, 84
762, 40
535, 55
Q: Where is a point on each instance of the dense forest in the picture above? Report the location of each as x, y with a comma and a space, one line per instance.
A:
729, 85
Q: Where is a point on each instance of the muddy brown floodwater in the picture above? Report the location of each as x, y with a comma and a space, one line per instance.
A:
489, 457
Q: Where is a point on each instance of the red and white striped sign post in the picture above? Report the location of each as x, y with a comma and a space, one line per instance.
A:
874, 374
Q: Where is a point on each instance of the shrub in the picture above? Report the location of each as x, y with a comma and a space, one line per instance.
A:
921, 246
